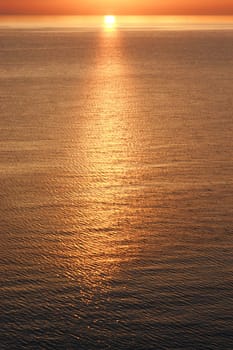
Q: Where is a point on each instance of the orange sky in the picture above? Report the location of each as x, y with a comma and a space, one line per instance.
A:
153, 7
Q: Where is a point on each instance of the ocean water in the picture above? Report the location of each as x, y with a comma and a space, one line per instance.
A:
116, 187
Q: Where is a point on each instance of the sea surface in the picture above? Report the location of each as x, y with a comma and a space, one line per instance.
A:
116, 189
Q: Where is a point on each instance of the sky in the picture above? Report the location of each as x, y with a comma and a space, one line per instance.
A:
124, 7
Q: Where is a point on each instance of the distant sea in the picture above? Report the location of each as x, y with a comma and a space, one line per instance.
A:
116, 185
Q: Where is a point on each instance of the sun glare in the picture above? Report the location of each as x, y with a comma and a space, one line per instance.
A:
109, 21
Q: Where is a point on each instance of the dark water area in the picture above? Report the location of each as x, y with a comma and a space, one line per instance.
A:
116, 187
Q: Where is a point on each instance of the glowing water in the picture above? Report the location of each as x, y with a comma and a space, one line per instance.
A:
116, 189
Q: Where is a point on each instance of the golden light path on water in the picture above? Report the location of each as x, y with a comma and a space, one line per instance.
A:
106, 143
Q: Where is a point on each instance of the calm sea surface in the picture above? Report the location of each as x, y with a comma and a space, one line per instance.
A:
116, 189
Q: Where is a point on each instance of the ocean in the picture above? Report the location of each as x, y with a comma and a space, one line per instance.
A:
116, 187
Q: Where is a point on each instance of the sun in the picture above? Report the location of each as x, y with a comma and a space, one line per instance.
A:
109, 21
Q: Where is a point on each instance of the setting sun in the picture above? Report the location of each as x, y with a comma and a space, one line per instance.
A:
109, 21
